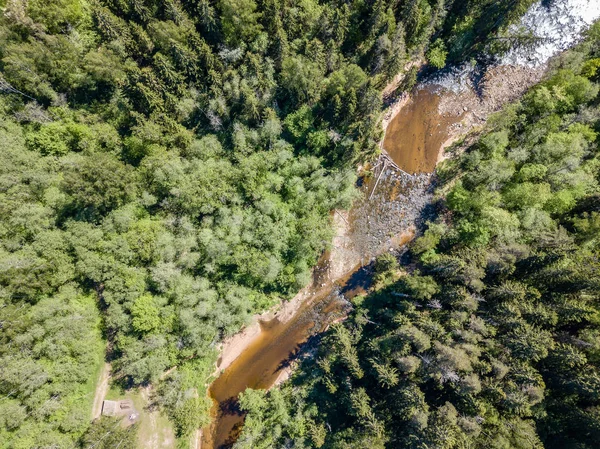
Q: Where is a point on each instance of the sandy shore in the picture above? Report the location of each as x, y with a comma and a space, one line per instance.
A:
341, 260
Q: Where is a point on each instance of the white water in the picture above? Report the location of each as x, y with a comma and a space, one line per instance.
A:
457, 80
558, 26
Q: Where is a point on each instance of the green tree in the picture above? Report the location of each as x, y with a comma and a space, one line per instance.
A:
109, 433
145, 314
240, 21
436, 54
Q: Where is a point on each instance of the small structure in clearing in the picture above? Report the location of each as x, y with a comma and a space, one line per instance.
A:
120, 408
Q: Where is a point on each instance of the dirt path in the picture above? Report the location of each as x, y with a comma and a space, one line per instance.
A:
151, 438
196, 440
101, 390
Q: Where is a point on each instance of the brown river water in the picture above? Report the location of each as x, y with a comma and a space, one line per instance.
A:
414, 137
394, 203
383, 220
264, 360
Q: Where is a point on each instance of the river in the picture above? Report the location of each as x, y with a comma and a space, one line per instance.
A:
396, 194
383, 220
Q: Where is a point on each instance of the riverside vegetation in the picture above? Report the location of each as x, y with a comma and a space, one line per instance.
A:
168, 168
490, 335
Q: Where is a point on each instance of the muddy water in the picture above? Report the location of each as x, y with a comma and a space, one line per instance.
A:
268, 357
413, 140
270, 353
381, 221
415, 135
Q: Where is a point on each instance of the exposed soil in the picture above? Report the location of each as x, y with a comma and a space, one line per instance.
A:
155, 430
101, 390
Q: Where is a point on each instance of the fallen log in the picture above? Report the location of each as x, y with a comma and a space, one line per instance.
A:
385, 161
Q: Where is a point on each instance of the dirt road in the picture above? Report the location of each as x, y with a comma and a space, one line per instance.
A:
101, 390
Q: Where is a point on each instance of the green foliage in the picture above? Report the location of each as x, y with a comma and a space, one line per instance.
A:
385, 267
492, 340
303, 78
239, 20
108, 433
179, 394
96, 184
474, 26
48, 381
436, 54
167, 170
590, 68
145, 314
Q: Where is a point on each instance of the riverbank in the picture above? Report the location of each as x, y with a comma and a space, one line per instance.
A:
420, 126
392, 206
383, 219
337, 261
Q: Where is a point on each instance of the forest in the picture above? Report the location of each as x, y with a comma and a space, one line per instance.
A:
168, 169
488, 336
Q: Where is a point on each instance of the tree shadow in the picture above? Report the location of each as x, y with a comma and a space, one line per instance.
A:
231, 406
360, 281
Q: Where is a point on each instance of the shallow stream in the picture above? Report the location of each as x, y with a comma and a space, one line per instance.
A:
381, 221
394, 202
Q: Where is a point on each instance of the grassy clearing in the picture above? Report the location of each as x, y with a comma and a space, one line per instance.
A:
155, 431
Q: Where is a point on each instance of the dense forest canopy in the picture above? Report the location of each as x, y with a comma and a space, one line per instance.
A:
168, 169
490, 336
